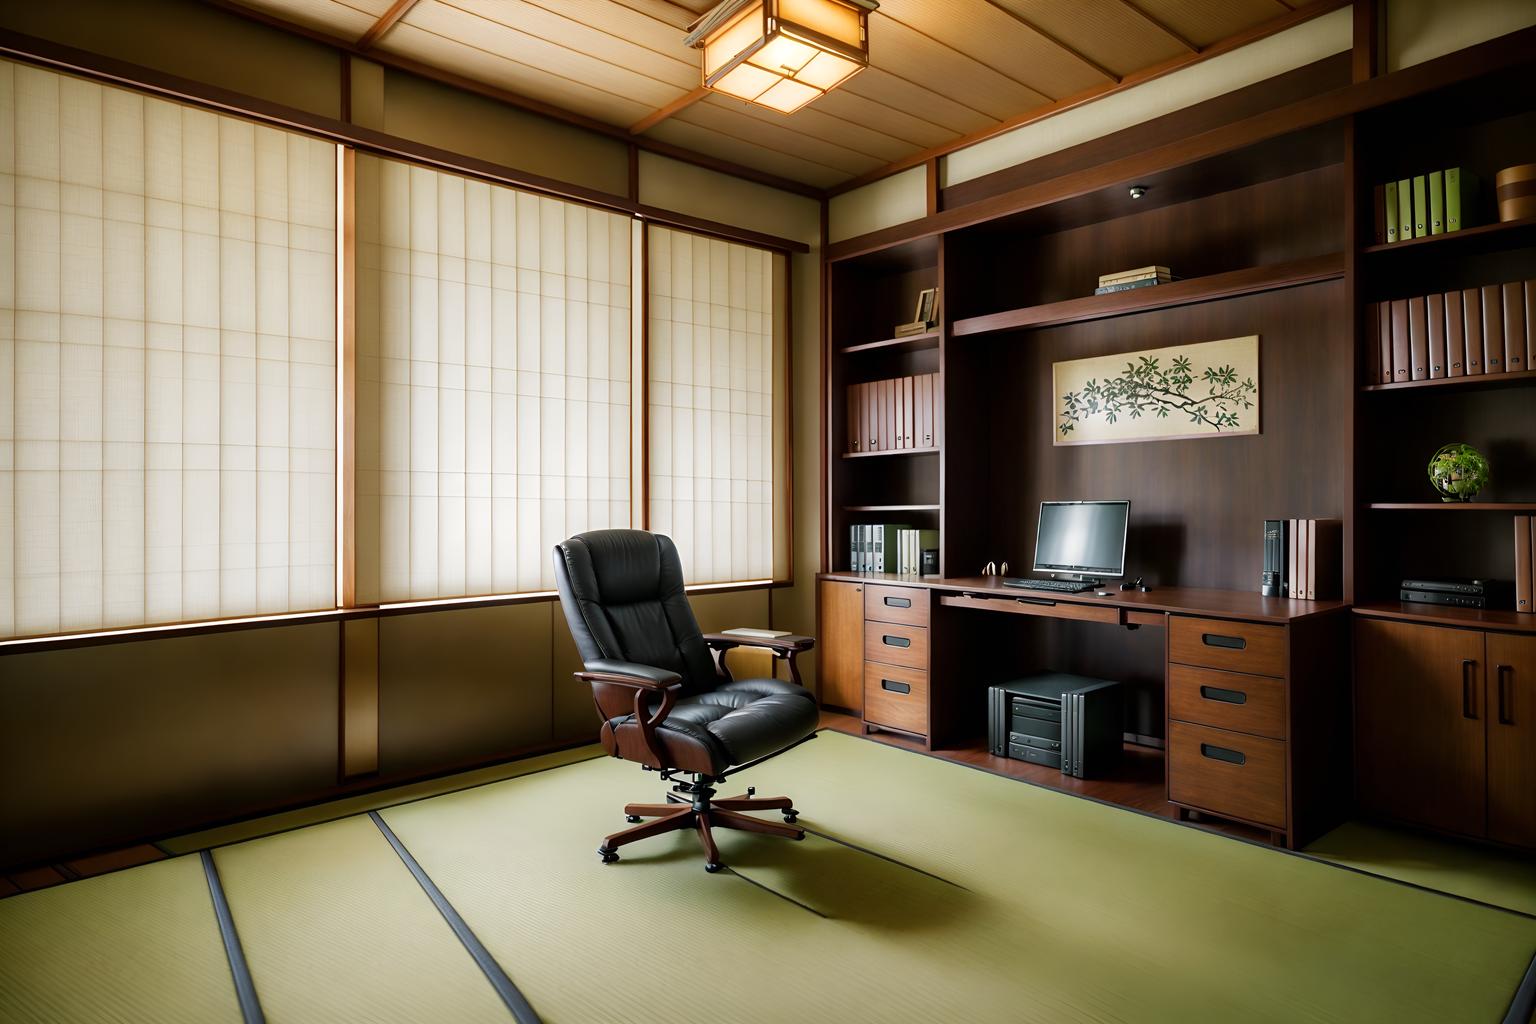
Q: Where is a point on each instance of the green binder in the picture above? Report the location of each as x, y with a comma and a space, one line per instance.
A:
1404, 209
1460, 191
1436, 203
1420, 207
886, 557
1390, 193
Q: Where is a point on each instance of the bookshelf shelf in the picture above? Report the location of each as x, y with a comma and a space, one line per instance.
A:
1504, 234
1247, 281
1452, 506
1480, 618
890, 508
911, 343
899, 451
1480, 380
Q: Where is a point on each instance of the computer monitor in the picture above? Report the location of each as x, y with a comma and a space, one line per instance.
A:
1082, 537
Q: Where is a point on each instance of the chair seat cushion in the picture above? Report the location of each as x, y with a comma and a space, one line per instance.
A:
743, 720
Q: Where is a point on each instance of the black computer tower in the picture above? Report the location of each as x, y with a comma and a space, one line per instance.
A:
1063, 721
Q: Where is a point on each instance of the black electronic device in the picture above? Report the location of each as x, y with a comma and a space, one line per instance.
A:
1063, 721
1457, 585
1491, 594
930, 562
1054, 586
1083, 538
1276, 548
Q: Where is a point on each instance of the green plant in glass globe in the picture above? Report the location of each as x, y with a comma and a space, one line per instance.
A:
1458, 471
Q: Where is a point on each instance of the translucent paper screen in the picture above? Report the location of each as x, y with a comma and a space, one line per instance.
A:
167, 361
716, 396
493, 382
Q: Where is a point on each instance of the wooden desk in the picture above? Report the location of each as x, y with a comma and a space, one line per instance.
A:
1256, 688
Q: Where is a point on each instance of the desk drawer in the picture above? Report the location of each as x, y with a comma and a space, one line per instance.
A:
1227, 773
896, 697
1227, 700
1221, 643
896, 604
891, 643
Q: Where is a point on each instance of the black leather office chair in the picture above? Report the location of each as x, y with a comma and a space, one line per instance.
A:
664, 694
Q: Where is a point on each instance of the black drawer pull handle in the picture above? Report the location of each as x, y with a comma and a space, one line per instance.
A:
895, 641
1235, 643
1225, 696
1226, 754
898, 602
895, 687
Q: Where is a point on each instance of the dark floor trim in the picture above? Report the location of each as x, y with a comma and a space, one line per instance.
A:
521, 1010
1522, 1009
245, 988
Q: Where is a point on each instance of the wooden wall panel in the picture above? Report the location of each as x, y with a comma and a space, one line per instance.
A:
131, 739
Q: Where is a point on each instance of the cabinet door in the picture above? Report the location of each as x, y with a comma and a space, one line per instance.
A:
840, 645
1419, 724
1511, 717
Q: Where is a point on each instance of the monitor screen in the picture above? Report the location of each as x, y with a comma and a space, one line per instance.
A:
1084, 537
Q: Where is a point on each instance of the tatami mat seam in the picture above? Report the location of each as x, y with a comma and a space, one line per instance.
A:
240, 971
522, 1011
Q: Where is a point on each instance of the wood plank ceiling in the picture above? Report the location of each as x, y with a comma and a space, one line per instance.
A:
941, 70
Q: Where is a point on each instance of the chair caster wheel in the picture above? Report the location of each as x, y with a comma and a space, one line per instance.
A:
713, 866
633, 819
608, 855
790, 817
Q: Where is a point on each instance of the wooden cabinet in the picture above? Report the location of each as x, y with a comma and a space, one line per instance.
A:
1510, 714
1444, 727
840, 644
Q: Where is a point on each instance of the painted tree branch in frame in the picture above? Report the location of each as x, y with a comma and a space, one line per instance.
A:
1146, 388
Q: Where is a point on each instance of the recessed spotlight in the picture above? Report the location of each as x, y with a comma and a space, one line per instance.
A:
1137, 191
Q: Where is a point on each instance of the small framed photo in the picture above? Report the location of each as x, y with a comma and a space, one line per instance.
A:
927, 305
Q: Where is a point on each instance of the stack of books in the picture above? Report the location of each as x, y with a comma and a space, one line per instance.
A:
1525, 564
892, 415
1314, 567
1460, 333
1425, 204
889, 548
1125, 280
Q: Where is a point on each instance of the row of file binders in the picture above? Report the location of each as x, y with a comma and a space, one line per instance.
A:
889, 547
1525, 564
893, 415
1425, 204
1314, 556
1459, 333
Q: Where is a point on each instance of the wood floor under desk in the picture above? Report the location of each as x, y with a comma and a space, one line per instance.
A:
1138, 785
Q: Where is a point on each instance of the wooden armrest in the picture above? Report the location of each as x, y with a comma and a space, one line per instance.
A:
629, 673
643, 683
795, 644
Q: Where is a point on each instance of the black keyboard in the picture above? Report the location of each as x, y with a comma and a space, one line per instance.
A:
1054, 586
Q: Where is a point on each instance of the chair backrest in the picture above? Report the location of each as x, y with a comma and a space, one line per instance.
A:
622, 593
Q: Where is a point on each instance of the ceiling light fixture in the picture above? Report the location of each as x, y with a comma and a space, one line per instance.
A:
782, 54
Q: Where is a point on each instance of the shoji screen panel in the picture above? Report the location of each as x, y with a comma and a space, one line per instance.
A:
716, 385
168, 376
493, 379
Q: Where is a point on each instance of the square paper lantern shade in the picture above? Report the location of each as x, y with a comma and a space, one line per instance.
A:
782, 54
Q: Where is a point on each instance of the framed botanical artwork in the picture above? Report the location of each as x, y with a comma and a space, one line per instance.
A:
1205, 389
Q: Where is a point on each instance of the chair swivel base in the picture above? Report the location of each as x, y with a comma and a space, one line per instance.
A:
701, 814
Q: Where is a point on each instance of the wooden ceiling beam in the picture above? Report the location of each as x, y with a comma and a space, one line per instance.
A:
660, 114
1147, 17
1043, 34
387, 21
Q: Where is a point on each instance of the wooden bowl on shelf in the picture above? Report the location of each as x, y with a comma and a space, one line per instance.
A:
1516, 191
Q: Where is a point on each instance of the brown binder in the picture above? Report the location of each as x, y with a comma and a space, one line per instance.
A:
1530, 325
1455, 340
908, 415
1402, 367
1378, 215
1325, 558
1472, 325
851, 410
924, 432
1384, 341
1524, 567
1434, 311
930, 404
898, 414
887, 415
1493, 329
1515, 340
1372, 345
1418, 337
871, 417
